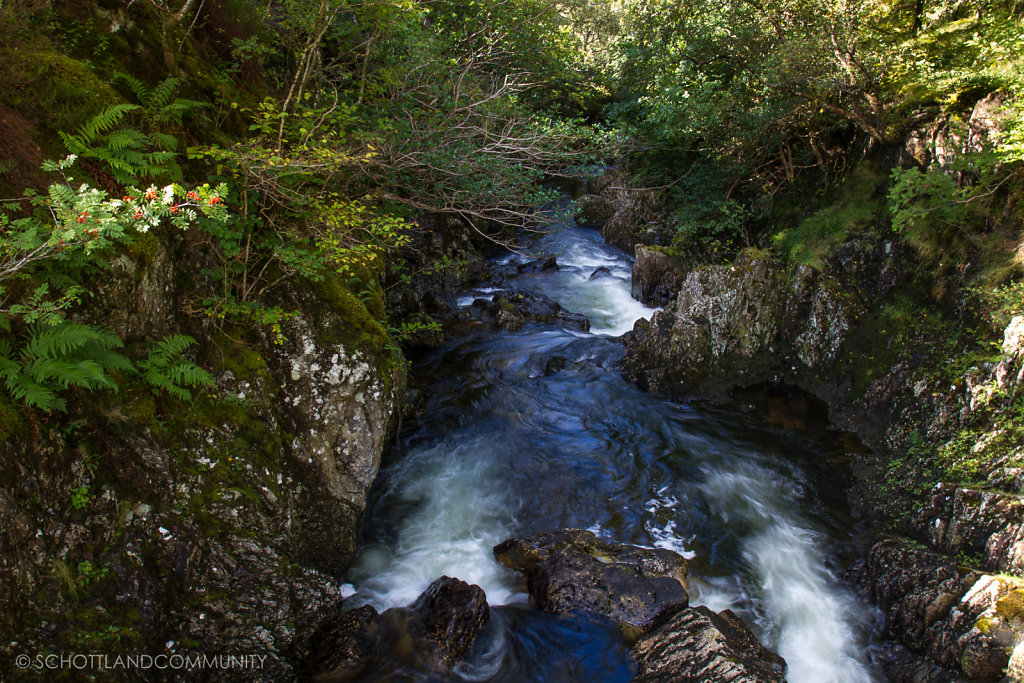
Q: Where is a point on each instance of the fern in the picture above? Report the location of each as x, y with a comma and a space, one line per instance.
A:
167, 370
58, 357
89, 132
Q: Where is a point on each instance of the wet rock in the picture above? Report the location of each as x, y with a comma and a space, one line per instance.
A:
341, 645
541, 265
513, 308
602, 271
657, 275
446, 620
572, 569
432, 635
700, 645
555, 365
509, 319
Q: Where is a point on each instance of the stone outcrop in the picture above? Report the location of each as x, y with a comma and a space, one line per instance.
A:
626, 215
740, 325
341, 646
701, 646
572, 569
658, 275
977, 523
957, 618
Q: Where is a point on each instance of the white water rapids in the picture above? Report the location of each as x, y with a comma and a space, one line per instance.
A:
503, 446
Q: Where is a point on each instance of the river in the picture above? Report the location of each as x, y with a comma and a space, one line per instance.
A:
529, 431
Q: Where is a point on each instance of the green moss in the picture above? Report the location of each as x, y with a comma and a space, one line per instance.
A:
856, 207
1011, 605
360, 329
243, 361
12, 419
62, 91
143, 248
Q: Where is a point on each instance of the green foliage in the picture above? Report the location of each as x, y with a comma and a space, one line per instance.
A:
167, 370
135, 142
127, 153
43, 260
51, 358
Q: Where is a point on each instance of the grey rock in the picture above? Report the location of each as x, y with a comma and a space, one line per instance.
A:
572, 569
657, 275
700, 645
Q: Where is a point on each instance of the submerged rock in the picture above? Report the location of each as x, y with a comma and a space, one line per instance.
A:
555, 365
700, 645
431, 635
541, 265
511, 310
572, 569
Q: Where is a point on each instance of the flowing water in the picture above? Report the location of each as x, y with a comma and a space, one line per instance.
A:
507, 443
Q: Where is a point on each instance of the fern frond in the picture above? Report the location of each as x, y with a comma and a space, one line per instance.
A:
165, 141
162, 94
23, 389
126, 138
139, 89
175, 112
105, 121
83, 373
54, 341
74, 143
190, 374
168, 347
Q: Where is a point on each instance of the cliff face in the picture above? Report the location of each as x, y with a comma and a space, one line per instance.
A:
216, 527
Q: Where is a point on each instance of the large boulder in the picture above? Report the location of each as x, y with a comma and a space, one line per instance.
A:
430, 636
725, 328
700, 645
658, 274
573, 569
447, 618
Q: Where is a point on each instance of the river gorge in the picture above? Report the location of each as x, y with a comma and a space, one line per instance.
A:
526, 431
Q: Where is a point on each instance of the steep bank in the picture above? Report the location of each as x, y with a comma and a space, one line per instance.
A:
890, 342
151, 525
